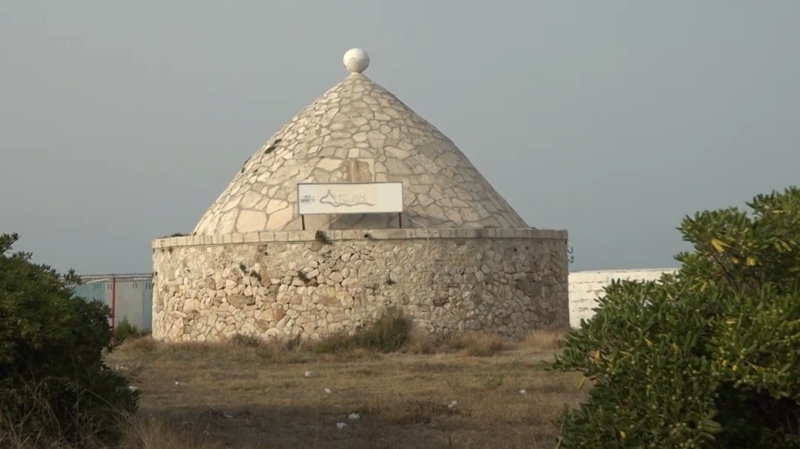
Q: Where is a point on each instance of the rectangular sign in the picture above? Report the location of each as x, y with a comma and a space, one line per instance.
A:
350, 198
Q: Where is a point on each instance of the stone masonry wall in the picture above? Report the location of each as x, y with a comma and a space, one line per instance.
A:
285, 284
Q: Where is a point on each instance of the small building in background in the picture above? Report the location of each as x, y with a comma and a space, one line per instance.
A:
130, 296
586, 287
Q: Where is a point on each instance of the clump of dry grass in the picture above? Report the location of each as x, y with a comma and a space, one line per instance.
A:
139, 433
151, 433
48, 420
546, 340
476, 345
385, 336
479, 344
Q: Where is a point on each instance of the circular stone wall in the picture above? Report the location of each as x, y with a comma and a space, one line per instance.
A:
285, 284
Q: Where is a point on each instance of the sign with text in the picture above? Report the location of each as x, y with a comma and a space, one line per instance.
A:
350, 198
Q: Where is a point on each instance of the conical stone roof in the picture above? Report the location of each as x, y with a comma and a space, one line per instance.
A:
358, 131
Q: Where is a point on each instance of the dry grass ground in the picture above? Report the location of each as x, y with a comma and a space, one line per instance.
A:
460, 393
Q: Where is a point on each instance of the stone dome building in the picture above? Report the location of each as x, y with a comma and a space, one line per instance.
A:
452, 255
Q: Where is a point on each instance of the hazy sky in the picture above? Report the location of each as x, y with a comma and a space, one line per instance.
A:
123, 121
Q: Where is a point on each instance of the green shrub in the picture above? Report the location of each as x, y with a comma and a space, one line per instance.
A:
387, 334
54, 384
125, 329
705, 358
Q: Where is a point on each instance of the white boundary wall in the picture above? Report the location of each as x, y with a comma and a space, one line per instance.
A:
586, 286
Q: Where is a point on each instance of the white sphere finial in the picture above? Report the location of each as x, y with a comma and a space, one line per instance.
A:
356, 60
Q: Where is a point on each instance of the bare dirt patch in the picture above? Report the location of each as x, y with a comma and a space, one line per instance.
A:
472, 391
